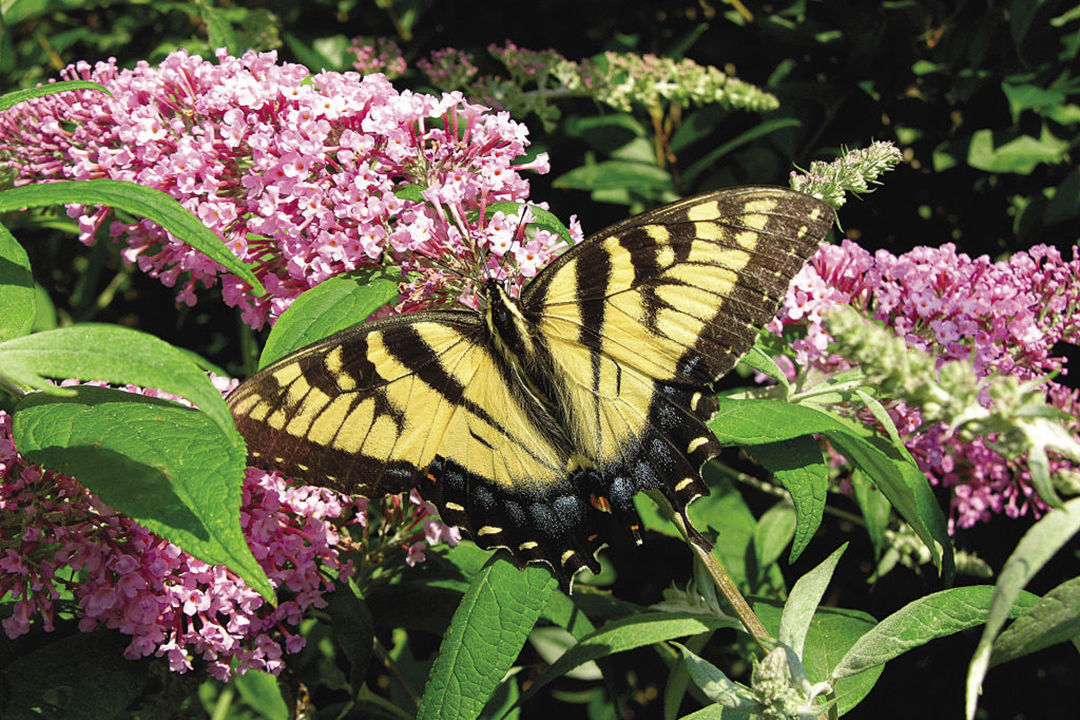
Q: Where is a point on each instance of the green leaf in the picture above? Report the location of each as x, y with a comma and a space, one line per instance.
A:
832, 631
710, 159
724, 512
755, 422
773, 532
1053, 619
484, 638
626, 634
798, 465
758, 359
543, 218
551, 642
260, 691
933, 616
145, 202
219, 32
11, 99
168, 467
615, 174
803, 601
1032, 552
1020, 155
331, 306
18, 297
116, 355
715, 685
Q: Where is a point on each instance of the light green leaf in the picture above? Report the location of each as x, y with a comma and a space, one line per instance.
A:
18, 297
758, 359
165, 466
1054, 619
551, 643
803, 601
1032, 552
260, 691
117, 355
615, 174
542, 218
145, 202
626, 634
488, 630
930, 617
1030, 97
832, 632
716, 685
773, 532
11, 99
331, 306
1020, 155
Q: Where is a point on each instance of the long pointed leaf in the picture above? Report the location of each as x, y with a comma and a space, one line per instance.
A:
487, 633
803, 601
1036, 547
138, 200
116, 355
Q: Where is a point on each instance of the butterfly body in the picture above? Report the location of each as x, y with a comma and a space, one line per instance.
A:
530, 422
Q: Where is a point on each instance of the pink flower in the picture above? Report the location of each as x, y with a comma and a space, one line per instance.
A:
1006, 316
297, 174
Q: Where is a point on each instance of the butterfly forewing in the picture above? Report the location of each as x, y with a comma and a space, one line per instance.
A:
641, 319
368, 409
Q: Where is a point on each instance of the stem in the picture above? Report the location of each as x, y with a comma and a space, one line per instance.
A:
743, 611
395, 672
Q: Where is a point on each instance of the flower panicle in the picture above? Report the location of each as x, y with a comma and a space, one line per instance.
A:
57, 538
535, 78
302, 176
857, 171
967, 353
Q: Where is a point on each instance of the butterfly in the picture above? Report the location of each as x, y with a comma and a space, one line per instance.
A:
533, 422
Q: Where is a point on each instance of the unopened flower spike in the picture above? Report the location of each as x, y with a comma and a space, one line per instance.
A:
855, 172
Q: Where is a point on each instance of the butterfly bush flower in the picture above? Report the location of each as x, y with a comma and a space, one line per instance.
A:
303, 176
64, 551
1004, 318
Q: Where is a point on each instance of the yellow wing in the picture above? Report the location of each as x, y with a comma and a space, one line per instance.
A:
641, 320
422, 401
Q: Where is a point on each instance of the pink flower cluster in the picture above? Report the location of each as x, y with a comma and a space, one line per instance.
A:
378, 55
57, 537
1005, 316
58, 541
303, 176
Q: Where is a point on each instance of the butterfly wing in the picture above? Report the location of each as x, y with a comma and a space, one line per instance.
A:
422, 400
640, 321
